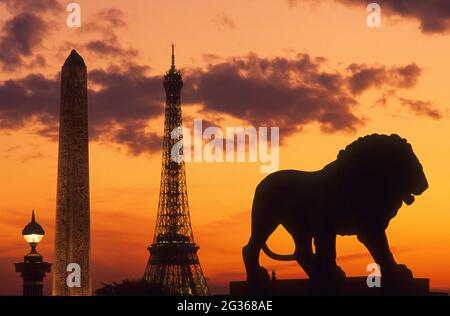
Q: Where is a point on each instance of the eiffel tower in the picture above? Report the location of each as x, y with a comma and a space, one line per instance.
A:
173, 261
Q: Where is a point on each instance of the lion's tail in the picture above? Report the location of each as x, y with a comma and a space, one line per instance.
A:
276, 256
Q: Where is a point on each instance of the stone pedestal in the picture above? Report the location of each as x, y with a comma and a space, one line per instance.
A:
352, 286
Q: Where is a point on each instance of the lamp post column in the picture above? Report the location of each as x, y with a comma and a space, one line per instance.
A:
33, 271
33, 268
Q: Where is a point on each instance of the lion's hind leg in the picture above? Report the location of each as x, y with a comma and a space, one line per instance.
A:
260, 234
303, 252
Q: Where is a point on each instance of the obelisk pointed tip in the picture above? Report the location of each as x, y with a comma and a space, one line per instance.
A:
74, 60
173, 55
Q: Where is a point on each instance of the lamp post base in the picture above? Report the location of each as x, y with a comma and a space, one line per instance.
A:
33, 274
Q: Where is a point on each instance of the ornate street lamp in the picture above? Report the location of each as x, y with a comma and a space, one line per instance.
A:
33, 269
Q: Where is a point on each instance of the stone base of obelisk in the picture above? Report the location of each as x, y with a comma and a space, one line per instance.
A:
352, 286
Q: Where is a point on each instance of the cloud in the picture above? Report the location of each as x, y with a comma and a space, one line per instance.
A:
104, 25
31, 152
106, 20
285, 92
16, 6
433, 15
364, 77
291, 92
119, 108
110, 47
421, 108
417, 107
223, 20
20, 36
31, 98
125, 97
276, 92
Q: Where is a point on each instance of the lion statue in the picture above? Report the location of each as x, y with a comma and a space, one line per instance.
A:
357, 194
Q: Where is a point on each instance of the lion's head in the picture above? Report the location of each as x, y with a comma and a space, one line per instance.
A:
385, 166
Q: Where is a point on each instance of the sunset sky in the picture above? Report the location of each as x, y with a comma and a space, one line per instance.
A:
312, 67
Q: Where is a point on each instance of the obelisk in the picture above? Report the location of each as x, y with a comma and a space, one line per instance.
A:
71, 274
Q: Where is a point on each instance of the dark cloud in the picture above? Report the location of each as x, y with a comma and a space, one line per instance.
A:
104, 25
105, 20
110, 47
126, 94
421, 108
32, 98
288, 93
364, 77
119, 108
135, 138
20, 36
276, 92
17, 6
124, 97
23, 33
291, 92
433, 15
418, 107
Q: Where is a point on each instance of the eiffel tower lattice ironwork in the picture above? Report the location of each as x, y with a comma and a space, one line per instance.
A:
173, 261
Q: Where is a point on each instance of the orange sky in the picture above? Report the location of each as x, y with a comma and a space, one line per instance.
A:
125, 187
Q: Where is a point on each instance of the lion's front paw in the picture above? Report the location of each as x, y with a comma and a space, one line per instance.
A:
259, 276
340, 274
328, 274
403, 272
259, 282
399, 274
